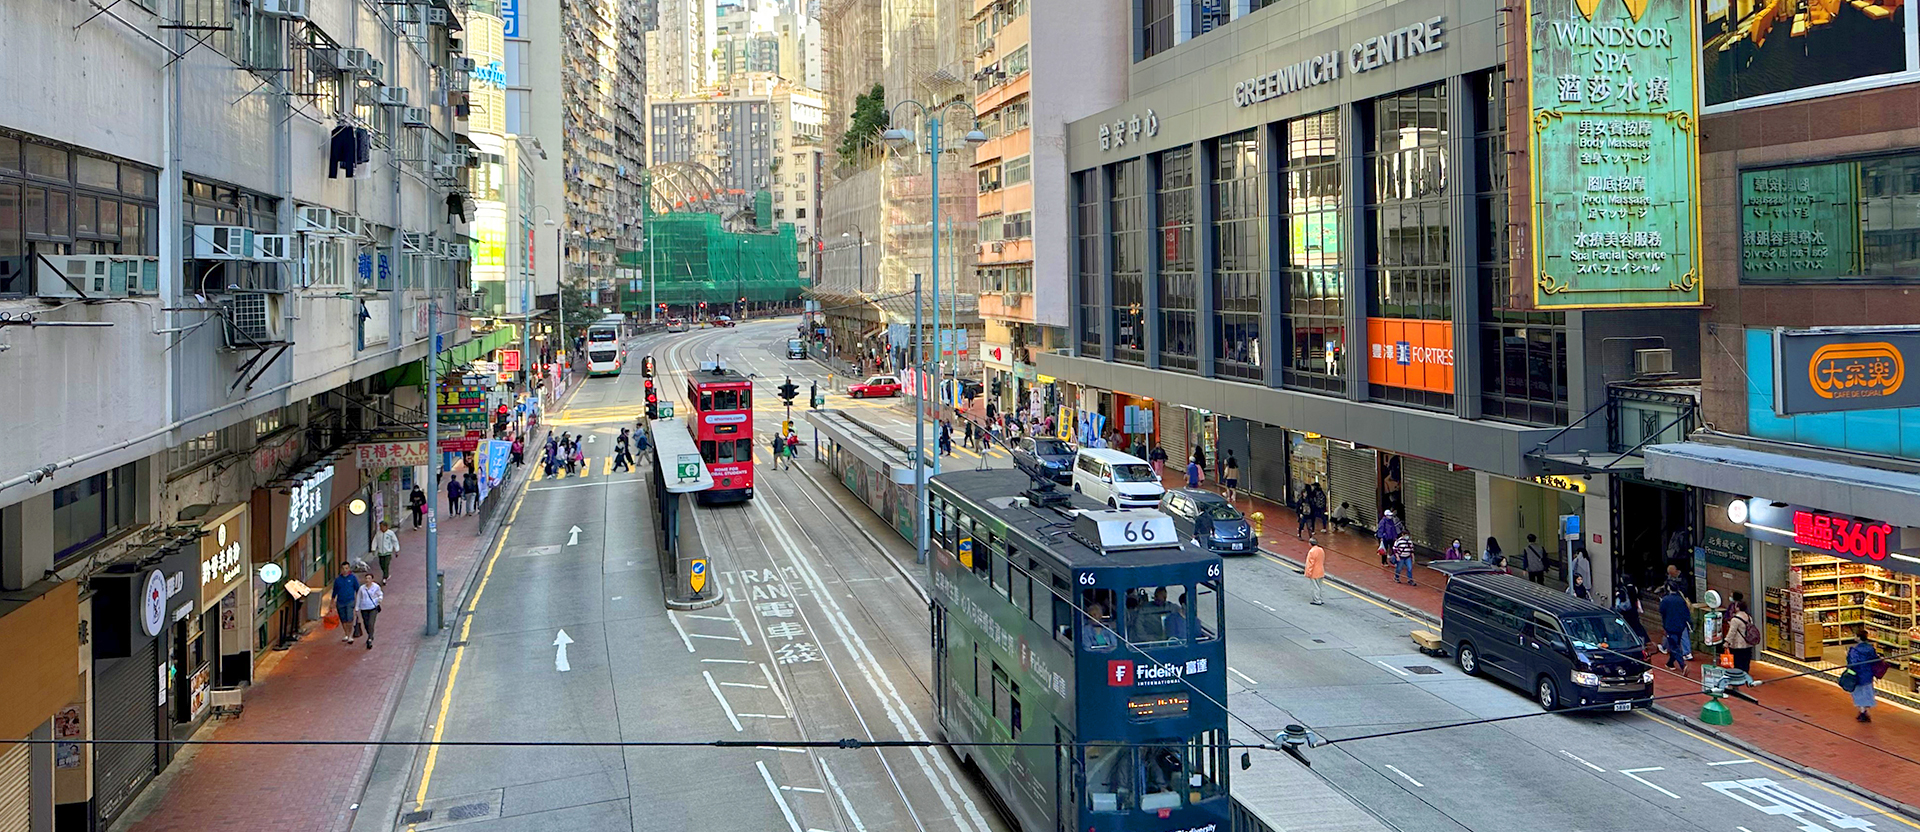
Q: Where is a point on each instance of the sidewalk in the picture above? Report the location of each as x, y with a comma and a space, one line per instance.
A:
319, 689
1811, 723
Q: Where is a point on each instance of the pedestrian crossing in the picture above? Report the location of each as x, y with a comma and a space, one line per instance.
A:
594, 466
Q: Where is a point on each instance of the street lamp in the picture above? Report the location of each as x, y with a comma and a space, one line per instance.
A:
899, 138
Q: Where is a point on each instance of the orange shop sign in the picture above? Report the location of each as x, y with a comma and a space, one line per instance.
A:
1411, 354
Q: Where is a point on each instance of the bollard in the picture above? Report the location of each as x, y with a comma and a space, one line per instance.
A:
440, 598
1259, 520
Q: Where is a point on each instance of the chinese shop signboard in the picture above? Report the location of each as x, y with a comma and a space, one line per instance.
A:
1411, 354
1843, 368
1858, 539
1614, 154
1800, 222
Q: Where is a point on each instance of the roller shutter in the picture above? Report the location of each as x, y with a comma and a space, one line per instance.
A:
1353, 476
1266, 466
126, 694
16, 787
1173, 433
1440, 503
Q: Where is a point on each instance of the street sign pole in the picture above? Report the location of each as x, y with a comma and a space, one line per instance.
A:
432, 382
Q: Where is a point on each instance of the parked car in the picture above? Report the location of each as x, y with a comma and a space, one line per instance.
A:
1210, 521
875, 387
1055, 456
796, 348
1567, 651
1120, 480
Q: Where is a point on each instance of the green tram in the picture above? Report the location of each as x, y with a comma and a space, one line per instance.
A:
1070, 625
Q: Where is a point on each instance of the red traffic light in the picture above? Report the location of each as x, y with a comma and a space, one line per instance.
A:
652, 397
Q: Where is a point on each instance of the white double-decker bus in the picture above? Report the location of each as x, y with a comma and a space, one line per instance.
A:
604, 349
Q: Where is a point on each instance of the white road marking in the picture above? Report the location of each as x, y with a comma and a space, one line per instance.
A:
723, 704
742, 685
775, 686
580, 485
1391, 667
743, 632
764, 716
807, 789
573, 536
618, 597
1249, 679
778, 797
834, 782
681, 630
1396, 770
715, 638
727, 661
1635, 774
560, 642
787, 750
1730, 762
709, 617
1264, 605
1569, 755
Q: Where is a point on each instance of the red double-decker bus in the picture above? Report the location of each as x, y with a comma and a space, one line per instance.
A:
721, 402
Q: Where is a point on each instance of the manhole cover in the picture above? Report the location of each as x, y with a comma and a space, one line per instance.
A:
468, 811
1423, 670
453, 811
417, 817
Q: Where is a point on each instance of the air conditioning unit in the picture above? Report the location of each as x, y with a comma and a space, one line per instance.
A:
222, 242
406, 13
999, 246
437, 17
463, 65
1653, 362
352, 60
462, 251
141, 273
375, 70
1010, 299
256, 319
294, 9
413, 242
393, 96
77, 275
414, 116
274, 248
349, 225
313, 219
445, 173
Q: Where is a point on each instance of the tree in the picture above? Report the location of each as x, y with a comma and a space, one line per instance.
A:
869, 118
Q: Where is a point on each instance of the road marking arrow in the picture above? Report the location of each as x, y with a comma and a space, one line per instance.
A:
560, 643
573, 536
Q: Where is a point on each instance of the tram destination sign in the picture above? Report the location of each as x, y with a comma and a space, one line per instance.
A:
1614, 153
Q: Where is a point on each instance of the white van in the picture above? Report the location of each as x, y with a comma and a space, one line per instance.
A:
1120, 480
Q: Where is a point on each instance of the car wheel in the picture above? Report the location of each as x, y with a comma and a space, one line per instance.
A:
1111, 503
1548, 694
1468, 658
1076, 488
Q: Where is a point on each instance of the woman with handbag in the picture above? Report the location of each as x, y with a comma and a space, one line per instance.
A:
1863, 666
1742, 633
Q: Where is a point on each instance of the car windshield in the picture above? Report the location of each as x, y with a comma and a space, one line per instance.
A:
1132, 472
1223, 513
1593, 631
1051, 447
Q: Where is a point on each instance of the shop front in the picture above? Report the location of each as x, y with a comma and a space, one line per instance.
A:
1551, 508
997, 361
134, 612
210, 642
303, 537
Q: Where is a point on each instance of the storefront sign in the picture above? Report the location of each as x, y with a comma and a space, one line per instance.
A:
997, 355
510, 14
153, 603
1563, 483
223, 553
375, 455
270, 455
1820, 371
509, 361
1802, 221
1373, 53
1727, 549
1854, 538
309, 501
1614, 154
1127, 129
1412, 354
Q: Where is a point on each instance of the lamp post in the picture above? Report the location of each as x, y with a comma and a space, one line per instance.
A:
900, 138
526, 312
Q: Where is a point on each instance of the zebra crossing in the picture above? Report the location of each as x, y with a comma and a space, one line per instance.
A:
594, 466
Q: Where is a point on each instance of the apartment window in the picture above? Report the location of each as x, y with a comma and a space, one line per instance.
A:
274, 421
1016, 115
1179, 328
1018, 226
1523, 352
1411, 279
325, 262
1019, 170
1129, 217
1156, 26
59, 201
202, 448
1017, 63
93, 509
1316, 292
990, 228
1240, 253
1087, 226
799, 213
989, 178
213, 13
211, 203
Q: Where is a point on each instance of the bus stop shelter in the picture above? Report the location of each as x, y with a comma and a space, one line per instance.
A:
686, 573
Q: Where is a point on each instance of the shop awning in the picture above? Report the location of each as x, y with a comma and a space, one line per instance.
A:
478, 348
1888, 496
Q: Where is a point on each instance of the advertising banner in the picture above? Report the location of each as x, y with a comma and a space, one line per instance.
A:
1412, 354
1614, 153
376, 455
1754, 53
1843, 368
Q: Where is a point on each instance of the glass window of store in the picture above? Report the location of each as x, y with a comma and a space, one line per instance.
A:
1129, 214
59, 201
1407, 215
1523, 353
1837, 597
1179, 329
1240, 254
1087, 225
1827, 222
1316, 292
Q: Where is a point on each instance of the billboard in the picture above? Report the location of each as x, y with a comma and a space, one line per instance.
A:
1799, 222
1614, 153
1843, 368
1414, 354
1754, 53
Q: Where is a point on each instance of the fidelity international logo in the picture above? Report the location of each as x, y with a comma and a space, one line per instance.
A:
1864, 370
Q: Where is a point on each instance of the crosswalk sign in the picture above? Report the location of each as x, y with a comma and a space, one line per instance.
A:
697, 575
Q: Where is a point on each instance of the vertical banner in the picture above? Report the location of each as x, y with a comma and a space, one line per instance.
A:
1614, 153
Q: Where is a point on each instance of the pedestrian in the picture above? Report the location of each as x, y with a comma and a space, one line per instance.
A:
519, 452
346, 589
1193, 472
454, 493
367, 600
1865, 665
1578, 589
1316, 571
1677, 620
1455, 551
1491, 555
1535, 560
1231, 479
1304, 512
550, 460
1387, 531
1157, 459
1742, 633
1403, 558
470, 491
1343, 516
1317, 506
793, 448
970, 435
946, 439
1677, 581
1626, 603
386, 544
1582, 566
417, 505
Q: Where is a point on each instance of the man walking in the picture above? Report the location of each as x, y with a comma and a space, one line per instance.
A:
367, 599
1193, 472
1403, 558
417, 504
386, 544
1677, 619
1316, 571
346, 591
1535, 559
454, 492
470, 491
1386, 532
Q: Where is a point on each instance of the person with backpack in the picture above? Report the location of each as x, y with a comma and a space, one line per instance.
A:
1863, 666
1626, 602
1535, 559
1742, 633
1676, 618
1386, 532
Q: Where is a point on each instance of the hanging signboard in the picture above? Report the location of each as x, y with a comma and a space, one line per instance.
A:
1614, 153
1843, 368
376, 455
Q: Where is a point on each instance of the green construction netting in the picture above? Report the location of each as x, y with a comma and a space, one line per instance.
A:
698, 260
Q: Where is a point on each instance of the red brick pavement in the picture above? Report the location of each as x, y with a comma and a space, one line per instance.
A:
1811, 721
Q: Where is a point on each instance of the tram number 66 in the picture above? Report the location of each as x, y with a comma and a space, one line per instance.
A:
1213, 570
1086, 579
1145, 532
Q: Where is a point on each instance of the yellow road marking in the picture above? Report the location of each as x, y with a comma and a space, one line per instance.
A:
608, 468
1791, 775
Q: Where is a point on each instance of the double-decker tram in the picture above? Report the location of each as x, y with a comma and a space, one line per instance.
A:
721, 402
1095, 633
603, 346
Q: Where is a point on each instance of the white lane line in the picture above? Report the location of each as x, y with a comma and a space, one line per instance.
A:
1396, 770
1570, 755
784, 703
1248, 679
1391, 667
1264, 605
1731, 762
710, 617
743, 632
723, 700
834, 783
765, 716
787, 750
681, 630
715, 638
727, 661
807, 789
742, 685
779, 798
1635, 774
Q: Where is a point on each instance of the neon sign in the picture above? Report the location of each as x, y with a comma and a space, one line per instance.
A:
1841, 535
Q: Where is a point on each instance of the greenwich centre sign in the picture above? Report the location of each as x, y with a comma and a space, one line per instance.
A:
1408, 41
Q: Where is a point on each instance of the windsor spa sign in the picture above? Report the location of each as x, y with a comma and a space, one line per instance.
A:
1614, 153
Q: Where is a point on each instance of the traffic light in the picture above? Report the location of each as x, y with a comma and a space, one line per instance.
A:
703, 304
646, 369
788, 391
996, 388
813, 394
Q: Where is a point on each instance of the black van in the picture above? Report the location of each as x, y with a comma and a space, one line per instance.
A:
1567, 651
